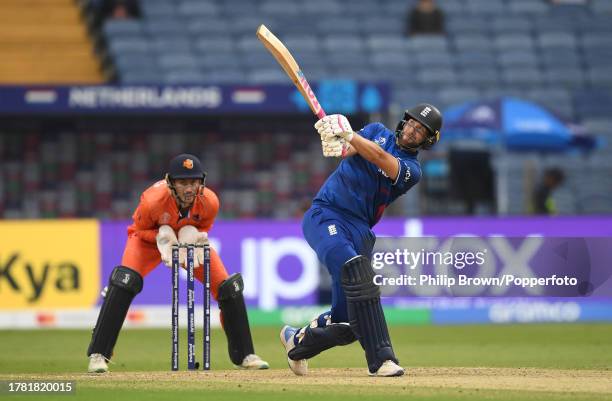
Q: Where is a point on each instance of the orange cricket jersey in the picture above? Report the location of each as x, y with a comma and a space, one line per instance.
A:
158, 207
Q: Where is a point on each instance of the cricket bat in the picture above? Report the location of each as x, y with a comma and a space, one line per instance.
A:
291, 67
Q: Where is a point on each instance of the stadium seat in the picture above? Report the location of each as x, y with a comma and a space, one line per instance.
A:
486, 8
122, 28
507, 42
556, 40
521, 77
505, 24
191, 8
528, 7
187, 76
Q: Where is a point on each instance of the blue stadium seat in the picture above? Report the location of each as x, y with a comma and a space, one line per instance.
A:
528, 7
477, 59
599, 77
458, 94
504, 24
463, 24
436, 77
601, 7
343, 43
592, 103
517, 58
330, 26
386, 42
214, 60
267, 76
521, 77
122, 28
135, 62
556, 40
486, 7
204, 26
248, 43
384, 57
166, 44
302, 43
554, 57
371, 25
598, 58
256, 58
226, 76
596, 41
428, 43
279, 8
563, 76
479, 77
141, 77
194, 8
319, 7
360, 9
244, 25
131, 45
515, 41
435, 60
213, 45
157, 8
599, 23
165, 26
186, 76
337, 59
471, 42
548, 23
172, 61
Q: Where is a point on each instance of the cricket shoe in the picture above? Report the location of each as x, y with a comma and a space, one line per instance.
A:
388, 369
97, 364
253, 362
287, 334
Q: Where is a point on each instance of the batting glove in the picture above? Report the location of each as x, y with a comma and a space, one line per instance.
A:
333, 147
334, 125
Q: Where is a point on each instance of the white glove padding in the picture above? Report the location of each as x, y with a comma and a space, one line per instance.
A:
166, 238
191, 235
334, 125
333, 147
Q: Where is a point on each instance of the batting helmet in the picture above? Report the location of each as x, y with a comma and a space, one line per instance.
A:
185, 166
430, 117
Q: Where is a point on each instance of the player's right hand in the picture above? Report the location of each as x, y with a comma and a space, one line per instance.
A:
166, 238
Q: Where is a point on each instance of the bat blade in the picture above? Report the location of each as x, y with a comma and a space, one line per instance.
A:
285, 59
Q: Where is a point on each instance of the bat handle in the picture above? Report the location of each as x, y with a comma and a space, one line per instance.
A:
321, 114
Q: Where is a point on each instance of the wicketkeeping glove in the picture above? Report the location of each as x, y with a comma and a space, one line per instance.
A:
191, 235
166, 238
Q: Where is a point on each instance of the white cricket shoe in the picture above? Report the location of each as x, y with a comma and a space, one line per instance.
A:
253, 362
97, 364
388, 369
300, 367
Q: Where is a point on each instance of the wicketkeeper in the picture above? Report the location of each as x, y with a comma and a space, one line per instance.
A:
378, 167
178, 209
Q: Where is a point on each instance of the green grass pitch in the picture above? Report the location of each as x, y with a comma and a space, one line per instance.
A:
509, 362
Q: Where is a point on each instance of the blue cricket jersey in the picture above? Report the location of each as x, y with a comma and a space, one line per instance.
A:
360, 189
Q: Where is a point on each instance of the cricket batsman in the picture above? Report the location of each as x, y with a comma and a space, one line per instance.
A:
379, 166
178, 209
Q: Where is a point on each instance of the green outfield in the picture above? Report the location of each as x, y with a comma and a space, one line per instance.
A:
514, 362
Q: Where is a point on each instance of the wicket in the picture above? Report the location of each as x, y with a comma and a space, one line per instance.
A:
191, 362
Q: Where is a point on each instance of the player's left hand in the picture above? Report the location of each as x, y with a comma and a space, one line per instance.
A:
191, 235
334, 125
333, 147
